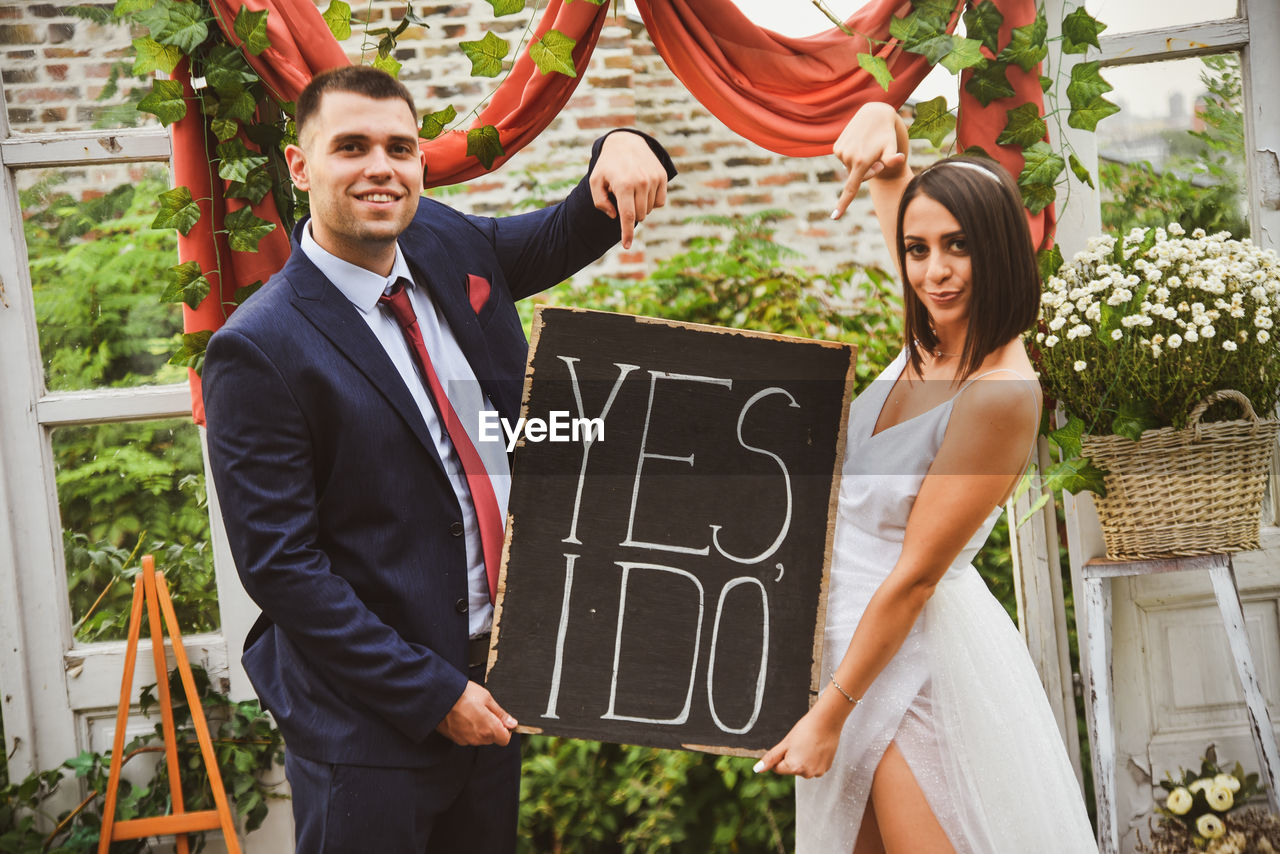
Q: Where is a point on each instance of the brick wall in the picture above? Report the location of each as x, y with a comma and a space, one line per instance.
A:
55, 65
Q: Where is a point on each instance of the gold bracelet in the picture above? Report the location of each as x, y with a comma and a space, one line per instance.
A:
847, 695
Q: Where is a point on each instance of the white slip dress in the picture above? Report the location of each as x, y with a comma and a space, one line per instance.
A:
961, 697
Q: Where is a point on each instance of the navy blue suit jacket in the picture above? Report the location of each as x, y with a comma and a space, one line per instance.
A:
337, 507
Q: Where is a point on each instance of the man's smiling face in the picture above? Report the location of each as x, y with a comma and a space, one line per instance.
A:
359, 161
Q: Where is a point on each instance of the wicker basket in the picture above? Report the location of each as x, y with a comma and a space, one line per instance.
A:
1185, 492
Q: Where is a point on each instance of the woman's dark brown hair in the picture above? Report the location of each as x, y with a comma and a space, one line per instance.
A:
1005, 291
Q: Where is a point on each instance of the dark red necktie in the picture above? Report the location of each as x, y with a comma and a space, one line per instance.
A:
482, 495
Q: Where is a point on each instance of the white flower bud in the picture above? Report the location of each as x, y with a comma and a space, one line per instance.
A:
1080, 365
1179, 801
1209, 825
1227, 781
1220, 798
1229, 346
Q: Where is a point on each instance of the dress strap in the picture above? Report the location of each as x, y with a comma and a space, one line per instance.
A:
973, 379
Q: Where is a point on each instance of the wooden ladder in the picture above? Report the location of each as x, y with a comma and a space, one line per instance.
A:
150, 587
1097, 575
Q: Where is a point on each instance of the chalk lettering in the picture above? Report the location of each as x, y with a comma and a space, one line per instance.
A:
654, 376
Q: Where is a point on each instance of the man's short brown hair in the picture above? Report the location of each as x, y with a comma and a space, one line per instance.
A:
359, 79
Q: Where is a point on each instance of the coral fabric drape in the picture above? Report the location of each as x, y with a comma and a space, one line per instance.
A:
794, 95
301, 47
790, 95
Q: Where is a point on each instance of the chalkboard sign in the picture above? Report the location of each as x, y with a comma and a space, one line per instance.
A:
669, 531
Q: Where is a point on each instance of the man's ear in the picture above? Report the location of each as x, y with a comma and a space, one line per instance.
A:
297, 160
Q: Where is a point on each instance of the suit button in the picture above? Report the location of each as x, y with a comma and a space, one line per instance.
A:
456, 529
460, 606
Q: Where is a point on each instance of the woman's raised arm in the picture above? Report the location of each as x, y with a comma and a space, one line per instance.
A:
874, 145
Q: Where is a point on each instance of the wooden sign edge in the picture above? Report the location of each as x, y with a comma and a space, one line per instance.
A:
833, 500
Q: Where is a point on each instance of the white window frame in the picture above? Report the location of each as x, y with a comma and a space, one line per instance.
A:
55, 691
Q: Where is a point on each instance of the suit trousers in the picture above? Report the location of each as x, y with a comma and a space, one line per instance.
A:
467, 803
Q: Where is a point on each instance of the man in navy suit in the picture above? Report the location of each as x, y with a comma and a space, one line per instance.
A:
348, 501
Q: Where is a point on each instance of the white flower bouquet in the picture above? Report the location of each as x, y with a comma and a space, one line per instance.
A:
1135, 332
1141, 337
1197, 806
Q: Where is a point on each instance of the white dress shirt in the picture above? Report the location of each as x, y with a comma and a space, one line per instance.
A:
363, 287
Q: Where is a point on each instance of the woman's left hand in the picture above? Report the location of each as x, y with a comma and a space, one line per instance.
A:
808, 749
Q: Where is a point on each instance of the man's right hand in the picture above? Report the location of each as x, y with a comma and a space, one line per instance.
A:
477, 719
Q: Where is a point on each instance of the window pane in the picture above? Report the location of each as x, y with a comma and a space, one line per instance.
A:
64, 72
98, 271
126, 488
1125, 16
1175, 151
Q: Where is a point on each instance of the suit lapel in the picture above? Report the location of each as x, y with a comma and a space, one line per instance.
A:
445, 282
324, 306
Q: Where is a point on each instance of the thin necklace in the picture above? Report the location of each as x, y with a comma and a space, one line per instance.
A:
934, 353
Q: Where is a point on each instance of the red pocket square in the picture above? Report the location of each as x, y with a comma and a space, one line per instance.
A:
477, 291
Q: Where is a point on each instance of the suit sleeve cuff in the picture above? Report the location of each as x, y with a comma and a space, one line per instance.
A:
656, 147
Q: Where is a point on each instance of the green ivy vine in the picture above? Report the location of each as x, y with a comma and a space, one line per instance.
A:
245, 742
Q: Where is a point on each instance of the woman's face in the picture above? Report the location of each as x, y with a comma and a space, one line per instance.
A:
937, 260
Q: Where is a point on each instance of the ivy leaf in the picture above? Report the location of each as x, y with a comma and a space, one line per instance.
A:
506, 7
1046, 83
251, 28
982, 22
1085, 92
877, 68
254, 186
247, 291
388, 63
83, 764
486, 55
226, 70
433, 124
164, 101
130, 7
965, 53
191, 354
149, 55
934, 48
933, 121
245, 229
239, 106
1077, 168
1024, 127
186, 284
177, 210
1079, 30
1132, 420
913, 30
1067, 437
1075, 475
1040, 171
1050, 261
235, 161
990, 82
181, 25
224, 129
484, 144
553, 52
338, 18
1027, 46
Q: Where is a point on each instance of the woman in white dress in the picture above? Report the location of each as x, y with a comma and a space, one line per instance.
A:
933, 733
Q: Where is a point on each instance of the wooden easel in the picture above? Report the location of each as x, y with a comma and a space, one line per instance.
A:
150, 586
